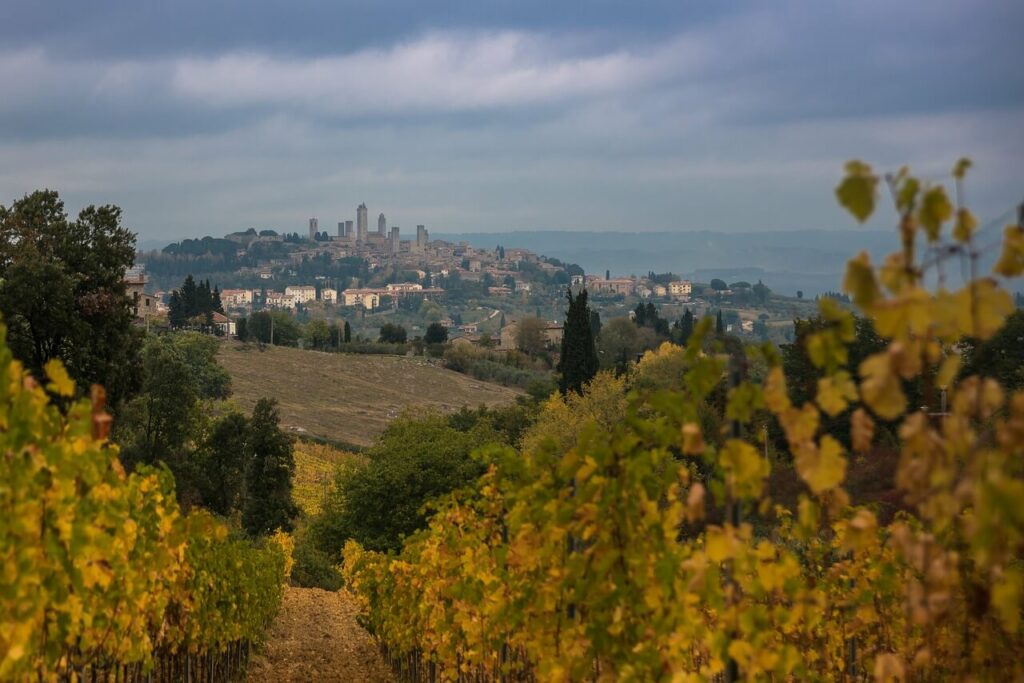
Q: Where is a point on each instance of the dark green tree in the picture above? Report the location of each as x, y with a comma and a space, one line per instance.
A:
413, 462
270, 468
595, 323
436, 334
391, 333
761, 292
578, 362
348, 332
1001, 357
684, 328
157, 425
165, 421
318, 335
719, 326
221, 465
63, 295
286, 331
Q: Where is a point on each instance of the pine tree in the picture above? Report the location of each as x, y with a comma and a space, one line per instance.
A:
578, 363
269, 471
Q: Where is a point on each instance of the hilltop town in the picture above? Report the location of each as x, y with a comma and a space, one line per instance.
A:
370, 278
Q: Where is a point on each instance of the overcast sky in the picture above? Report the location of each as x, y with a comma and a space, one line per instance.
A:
202, 117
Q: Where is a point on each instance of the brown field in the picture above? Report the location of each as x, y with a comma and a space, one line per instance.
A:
348, 397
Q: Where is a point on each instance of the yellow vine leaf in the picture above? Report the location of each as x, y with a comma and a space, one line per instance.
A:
965, 225
720, 544
960, 168
1011, 260
984, 305
906, 314
835, 393
856, 193
947, 371
934, 211
822, 466
862, 430
860, 281
745, 468
60, 382
775, 396
880, 388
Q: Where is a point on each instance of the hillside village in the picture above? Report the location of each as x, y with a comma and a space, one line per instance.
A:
369, 278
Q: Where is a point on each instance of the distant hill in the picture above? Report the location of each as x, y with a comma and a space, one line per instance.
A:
808, 260
348, 397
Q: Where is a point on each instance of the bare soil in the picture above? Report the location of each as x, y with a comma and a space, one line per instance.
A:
316, 638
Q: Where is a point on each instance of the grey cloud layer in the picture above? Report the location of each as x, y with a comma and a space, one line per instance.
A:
729, 122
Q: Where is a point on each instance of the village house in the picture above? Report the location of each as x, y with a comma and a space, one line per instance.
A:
367, 298
624, 286
507, 336
223, 325
328, 295
279, 300
302, 293
236, 298
680, 289
144, 305
398, 287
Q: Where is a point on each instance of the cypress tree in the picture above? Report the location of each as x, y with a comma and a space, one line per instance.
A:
719, 327
348, 332
578, 363
595, 324
686, 327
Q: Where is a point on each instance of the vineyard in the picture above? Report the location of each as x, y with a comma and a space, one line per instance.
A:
104, 577
635, 538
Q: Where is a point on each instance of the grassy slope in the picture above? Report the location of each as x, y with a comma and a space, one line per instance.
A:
348, 397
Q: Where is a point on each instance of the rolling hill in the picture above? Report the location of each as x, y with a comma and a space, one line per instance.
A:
348, 397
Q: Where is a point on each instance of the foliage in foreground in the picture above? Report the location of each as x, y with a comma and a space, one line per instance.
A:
100, 567
589, 556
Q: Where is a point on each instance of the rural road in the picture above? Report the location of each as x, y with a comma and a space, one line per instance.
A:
316, 638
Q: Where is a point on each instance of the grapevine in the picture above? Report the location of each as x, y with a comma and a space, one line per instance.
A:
101, 570
599, 551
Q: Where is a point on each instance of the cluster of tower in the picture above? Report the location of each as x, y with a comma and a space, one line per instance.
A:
360, 231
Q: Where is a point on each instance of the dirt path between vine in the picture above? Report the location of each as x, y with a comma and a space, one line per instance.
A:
316, 638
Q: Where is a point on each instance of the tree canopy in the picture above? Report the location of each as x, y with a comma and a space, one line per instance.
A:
62, 291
